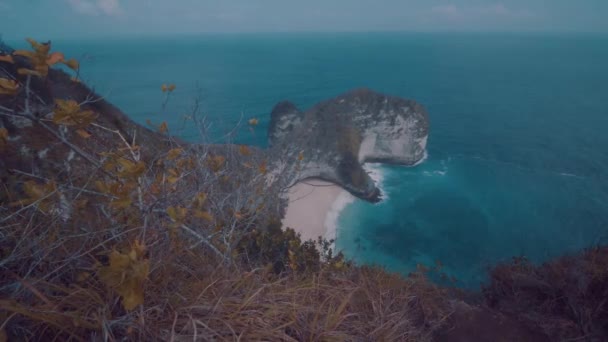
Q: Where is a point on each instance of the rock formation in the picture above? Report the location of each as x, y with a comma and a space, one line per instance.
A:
334, 138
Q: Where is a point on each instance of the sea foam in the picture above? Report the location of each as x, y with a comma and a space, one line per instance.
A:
422, 160
345, 198
333, 215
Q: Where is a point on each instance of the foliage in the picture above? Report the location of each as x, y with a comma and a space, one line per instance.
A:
283, 249
126, 273
8, 87
566, 298
110, 231
41, 59
69, 113
168, 88
3, 138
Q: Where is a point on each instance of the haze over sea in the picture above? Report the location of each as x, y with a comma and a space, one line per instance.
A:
518, 148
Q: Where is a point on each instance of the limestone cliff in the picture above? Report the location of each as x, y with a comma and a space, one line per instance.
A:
334, 138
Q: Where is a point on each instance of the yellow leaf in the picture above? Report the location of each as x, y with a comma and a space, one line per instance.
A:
177, 214
36, 193
185, 163
72, 64
3, 137
130, 169
174, 153
253, 122
83, 133
121, 203
8, 84
216, 163
262, 168
155, 189
54, 58
41, 58
163, 127
34, 190
300, 156
38, 47
173, 177
199, 200
69, 113
244, 150
42, 69
102, 187
83, 276
6, 92
203, 215
7, 59
81, 204
126, 274
24, 53
23, 71
8, 87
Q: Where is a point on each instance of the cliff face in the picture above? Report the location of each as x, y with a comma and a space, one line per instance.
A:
334, 138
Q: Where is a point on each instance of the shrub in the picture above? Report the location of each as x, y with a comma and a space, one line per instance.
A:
566, 298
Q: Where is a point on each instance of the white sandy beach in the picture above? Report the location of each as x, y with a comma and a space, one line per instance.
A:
313, 208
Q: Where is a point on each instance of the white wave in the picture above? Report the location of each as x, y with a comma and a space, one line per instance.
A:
331, 219
424, 158
436, 172
377, 174
565, 174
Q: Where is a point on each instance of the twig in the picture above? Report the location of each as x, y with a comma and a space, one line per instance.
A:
202, 239
28, 206
27, 94
64, 186
72, 146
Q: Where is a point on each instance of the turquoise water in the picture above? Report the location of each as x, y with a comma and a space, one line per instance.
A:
518, 149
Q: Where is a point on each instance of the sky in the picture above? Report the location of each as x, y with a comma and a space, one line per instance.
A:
88, 18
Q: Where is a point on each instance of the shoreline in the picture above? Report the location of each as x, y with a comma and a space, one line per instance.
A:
314, 207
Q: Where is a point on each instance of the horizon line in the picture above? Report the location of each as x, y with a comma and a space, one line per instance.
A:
314, 32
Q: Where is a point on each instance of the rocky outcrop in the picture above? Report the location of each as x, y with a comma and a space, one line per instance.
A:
334, 138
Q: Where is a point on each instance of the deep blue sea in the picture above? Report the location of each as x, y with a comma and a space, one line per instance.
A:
518, 147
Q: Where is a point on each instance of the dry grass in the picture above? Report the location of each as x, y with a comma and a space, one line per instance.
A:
566, 298
53, 291
360, 304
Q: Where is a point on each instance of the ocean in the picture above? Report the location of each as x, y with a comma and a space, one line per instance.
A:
518, 146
